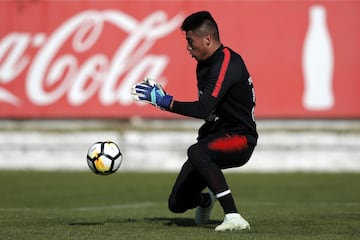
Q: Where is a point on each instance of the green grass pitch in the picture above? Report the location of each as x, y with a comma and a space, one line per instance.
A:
82, 205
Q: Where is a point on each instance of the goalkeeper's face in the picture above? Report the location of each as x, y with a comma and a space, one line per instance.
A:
197, 45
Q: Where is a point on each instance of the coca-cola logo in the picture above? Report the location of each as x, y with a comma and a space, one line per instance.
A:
99, 74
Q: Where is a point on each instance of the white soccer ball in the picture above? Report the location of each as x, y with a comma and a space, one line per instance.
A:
104, 158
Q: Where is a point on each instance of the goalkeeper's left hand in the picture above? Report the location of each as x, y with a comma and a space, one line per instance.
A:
152, 92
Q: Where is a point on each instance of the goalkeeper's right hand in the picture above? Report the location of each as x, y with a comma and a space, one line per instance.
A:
151, 92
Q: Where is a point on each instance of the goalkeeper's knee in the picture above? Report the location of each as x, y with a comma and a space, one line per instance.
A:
174, 205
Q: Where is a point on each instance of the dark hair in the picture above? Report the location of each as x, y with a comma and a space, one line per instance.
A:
201, 22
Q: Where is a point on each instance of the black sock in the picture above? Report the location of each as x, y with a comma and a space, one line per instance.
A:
228, 204
205, 200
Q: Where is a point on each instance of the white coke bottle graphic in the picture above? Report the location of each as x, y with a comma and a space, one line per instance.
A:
318, 62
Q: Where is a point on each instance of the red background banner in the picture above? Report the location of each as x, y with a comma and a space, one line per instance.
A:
62, 59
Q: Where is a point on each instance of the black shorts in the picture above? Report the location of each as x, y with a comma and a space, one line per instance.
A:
226, 150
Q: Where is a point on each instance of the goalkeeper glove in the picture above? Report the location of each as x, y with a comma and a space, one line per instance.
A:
152, 92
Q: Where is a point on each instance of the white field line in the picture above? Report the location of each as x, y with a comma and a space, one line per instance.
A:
309, 204
151, 204
118, 206
133, 205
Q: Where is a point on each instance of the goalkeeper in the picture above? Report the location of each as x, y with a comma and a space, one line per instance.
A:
228, 136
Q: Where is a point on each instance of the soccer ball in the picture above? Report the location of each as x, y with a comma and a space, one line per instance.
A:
104, 158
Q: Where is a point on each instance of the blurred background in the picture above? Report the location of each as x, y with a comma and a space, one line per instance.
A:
67, 67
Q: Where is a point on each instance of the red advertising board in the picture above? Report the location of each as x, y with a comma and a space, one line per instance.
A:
70, 59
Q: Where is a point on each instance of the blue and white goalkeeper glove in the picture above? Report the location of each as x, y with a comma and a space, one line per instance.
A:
152, 92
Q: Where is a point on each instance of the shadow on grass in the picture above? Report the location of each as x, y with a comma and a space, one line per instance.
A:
86, 223
90, 223
181, 222
166, 221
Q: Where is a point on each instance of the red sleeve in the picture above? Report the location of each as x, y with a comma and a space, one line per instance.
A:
223, 69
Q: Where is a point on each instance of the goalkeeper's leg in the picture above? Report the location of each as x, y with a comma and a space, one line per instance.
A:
213, 177
209, 156
186, 192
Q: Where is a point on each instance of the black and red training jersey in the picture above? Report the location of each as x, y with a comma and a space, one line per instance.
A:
226, 96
